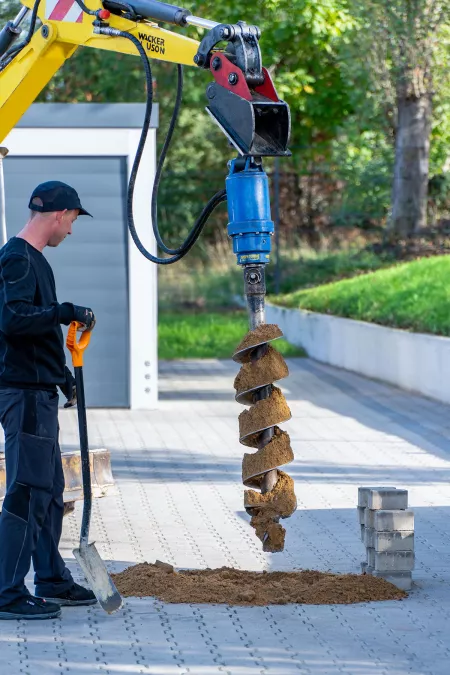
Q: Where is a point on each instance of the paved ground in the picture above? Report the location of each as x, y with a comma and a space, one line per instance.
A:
179, 499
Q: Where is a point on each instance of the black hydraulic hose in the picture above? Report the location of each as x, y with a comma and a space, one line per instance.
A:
210, 206
193, 234
160, 166
11, 53
86, 9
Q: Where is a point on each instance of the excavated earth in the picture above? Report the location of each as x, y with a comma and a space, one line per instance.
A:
263, 333
237, 587
266, 413
276, 453
281, 498
269, 368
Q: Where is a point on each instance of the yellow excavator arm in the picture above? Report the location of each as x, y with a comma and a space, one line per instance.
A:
57, 40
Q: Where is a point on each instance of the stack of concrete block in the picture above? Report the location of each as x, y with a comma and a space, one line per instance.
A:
387, 531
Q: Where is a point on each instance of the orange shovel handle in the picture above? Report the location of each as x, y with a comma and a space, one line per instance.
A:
77, 348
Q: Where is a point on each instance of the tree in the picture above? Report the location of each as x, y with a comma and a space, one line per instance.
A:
402, 37
299, 44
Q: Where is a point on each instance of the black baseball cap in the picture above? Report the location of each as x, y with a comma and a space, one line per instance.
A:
55, 196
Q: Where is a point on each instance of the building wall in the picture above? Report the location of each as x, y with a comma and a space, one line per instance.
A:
98, 141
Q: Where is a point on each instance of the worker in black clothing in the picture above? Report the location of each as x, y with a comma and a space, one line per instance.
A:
32, 366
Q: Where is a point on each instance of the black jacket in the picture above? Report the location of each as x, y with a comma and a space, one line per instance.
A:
31, 339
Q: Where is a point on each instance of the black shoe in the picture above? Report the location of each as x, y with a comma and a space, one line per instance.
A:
30, 607
75, 595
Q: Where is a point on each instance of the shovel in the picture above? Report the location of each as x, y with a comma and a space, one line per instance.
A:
87, 555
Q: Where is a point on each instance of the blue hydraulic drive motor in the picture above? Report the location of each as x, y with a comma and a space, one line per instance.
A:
250, 226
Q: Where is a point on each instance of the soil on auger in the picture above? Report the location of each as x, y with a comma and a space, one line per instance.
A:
270, 368
276, 453
263, 333
265, 413
238, 587
281, 498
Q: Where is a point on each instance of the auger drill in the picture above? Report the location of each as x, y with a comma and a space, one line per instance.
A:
243, 101
250, 228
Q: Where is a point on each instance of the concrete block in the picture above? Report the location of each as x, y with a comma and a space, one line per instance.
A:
362, 533
392, 520
369, 518
387, 498
369, 537
393, 541
370, 557
361, 510
392, 561
363, 494
402, 580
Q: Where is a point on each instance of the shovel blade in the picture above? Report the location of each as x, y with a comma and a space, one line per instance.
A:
98, 578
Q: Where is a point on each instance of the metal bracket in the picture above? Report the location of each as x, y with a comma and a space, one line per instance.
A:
242, 50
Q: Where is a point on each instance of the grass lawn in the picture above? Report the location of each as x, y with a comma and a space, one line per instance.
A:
206, 335
414, 296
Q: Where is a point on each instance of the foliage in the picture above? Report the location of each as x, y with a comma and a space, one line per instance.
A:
342, 104
413, 296
211, 335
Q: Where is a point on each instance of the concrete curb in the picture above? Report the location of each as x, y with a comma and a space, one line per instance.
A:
412, 361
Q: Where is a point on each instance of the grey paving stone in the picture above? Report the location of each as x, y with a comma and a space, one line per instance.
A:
363, 495
369, 540
391, 520
179, 499
361, 516
387, 498
395, 561
393, 541
402, 580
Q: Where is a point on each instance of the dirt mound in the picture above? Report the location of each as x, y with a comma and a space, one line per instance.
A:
236, 587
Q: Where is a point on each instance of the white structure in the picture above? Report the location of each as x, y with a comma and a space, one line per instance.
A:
413, 361
92, 147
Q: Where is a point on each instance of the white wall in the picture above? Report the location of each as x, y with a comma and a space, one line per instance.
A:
413, 361
142, 273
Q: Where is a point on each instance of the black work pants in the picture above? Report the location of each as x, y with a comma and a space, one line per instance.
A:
32, 513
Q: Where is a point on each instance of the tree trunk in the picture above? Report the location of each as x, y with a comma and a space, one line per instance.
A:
412, 149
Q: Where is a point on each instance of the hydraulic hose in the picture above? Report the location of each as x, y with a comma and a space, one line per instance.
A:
185, 247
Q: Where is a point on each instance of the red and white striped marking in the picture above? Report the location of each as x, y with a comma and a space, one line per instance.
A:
63, 10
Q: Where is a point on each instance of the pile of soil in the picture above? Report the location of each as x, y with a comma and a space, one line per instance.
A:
276, 453
235, 587
266, 413
264, 333
269, 368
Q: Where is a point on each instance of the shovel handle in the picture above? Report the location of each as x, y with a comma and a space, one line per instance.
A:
75, 347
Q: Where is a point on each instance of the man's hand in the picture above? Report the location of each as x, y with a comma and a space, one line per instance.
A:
84, 315
69, 389
73, 400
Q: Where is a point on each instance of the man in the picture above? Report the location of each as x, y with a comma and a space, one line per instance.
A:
32, 366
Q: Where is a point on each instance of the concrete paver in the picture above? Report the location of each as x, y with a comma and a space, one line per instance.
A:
179, 499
